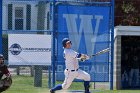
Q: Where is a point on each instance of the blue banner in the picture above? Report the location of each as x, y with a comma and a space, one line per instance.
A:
89, 30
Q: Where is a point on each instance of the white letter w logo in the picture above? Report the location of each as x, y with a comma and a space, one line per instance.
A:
85, 24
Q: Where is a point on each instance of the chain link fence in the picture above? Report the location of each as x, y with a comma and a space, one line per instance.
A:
26, 76
30, 17
26, 17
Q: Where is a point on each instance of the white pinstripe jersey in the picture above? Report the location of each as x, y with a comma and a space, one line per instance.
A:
71, 61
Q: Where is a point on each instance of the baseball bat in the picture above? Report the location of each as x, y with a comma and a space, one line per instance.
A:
101, 52
98, 53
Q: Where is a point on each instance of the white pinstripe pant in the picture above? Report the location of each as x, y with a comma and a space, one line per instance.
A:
71, 75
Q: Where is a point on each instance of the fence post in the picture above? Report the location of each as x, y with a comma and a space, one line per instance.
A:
49, 77
32, 71
1, 26
112, 46
52, 11
38, 76
18, 70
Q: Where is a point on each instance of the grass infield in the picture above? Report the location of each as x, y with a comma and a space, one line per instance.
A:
25, 84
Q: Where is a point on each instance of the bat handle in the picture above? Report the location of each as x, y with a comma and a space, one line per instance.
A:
93, 55
89, 57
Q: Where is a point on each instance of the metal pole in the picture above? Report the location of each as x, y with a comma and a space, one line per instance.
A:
49, 82
52, 13
112, 46
38, 76
1, 26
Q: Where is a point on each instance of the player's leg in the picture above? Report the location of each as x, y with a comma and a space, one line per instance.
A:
86, 77
69, 77
57, 87
87, 86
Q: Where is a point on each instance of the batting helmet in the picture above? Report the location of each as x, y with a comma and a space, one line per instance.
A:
64, 41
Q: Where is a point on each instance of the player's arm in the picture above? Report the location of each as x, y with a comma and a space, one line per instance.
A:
82, 57
6, 72
79, 56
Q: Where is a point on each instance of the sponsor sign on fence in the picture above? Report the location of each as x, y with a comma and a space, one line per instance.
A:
29, 49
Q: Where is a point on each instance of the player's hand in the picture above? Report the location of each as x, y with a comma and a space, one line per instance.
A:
87, 57
84, 57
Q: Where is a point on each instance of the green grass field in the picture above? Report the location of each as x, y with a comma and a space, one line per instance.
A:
25, 84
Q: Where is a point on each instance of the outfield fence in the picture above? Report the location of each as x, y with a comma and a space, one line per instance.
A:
44, 17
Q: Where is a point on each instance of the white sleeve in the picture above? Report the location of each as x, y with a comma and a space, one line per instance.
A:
73, 54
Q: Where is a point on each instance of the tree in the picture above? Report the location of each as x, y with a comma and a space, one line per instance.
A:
127, 12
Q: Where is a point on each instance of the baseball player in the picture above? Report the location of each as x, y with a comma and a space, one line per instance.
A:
72, 70
6, 82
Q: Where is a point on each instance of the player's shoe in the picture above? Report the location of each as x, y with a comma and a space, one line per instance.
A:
51, 91
88, 92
